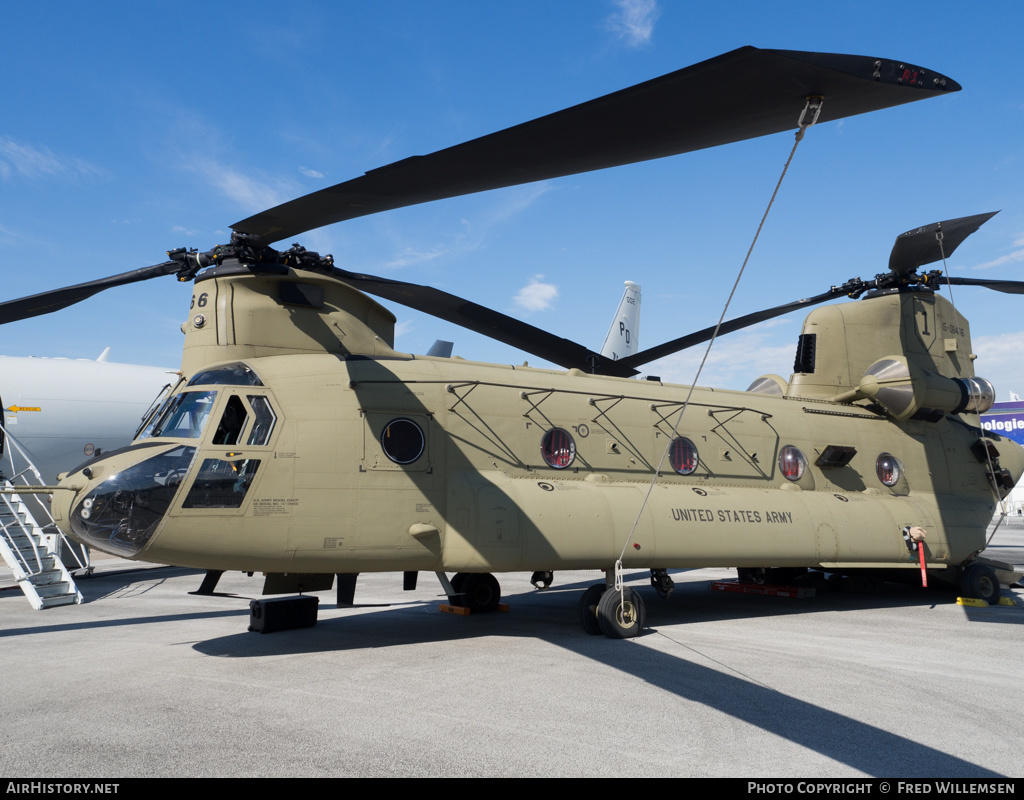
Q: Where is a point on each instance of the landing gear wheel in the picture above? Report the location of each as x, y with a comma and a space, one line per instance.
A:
776, 576
588, 608
662, 583
458, 579
542, 580
755, 575
621, 615
981, 582
481, 592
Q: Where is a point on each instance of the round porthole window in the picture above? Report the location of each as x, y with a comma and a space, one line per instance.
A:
558, 448
402, 441
889, 469
682, 455
792, 463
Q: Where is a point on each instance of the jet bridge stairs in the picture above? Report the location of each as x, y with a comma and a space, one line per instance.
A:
37, 554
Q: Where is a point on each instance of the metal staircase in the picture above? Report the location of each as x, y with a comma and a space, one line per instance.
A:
37, 554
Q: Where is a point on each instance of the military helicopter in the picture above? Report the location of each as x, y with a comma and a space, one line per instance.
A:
299, 443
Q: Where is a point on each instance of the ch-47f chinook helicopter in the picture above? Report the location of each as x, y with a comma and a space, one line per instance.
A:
299, 443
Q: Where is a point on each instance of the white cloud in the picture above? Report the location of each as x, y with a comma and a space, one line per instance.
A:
474, 232
310, 173
634, 20
40, 162
999, 359
403, 327
536, 295
411, 255
246, 190
1009, 258
734, 361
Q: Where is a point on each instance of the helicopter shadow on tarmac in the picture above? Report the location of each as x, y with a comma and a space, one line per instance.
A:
550, 616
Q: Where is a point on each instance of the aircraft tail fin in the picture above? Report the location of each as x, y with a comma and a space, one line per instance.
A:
623, 337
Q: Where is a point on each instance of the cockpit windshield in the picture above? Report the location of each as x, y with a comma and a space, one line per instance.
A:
122, 513
183, 416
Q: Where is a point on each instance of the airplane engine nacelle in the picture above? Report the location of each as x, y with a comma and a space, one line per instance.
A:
905, 392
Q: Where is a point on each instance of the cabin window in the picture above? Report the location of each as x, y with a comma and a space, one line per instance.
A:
792, 463
682, 455
889, 469
403, 441
558, 448
221, 484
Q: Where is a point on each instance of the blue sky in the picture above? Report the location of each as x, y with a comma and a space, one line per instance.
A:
132, 128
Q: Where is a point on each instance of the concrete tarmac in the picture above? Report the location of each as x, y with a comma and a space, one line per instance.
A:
145, 679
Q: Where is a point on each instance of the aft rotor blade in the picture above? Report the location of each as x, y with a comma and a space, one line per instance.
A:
739, 95
56, 299
490, 323
683, 342
1009, 287
921, 245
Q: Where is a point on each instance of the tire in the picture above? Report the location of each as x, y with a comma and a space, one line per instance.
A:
621, 616
588, 608
458, 579
980, 582
481, 592
755, 575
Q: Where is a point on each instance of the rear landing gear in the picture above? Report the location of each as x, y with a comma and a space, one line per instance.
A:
588, 608
980, 581
618, 615
621, 615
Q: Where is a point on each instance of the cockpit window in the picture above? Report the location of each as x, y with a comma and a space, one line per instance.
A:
153, 413
122, 513
231, 422
265, 420
221, 484
183, 416
237, 374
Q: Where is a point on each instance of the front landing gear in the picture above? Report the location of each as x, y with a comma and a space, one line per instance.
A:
588, 608
616, 614
479, 592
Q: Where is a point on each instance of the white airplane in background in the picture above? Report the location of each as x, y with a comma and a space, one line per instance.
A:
63, 411
623, 337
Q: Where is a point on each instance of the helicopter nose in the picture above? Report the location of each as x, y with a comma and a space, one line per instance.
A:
117, 505
60, 505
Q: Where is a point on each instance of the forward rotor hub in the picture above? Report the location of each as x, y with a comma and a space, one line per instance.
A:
245, 251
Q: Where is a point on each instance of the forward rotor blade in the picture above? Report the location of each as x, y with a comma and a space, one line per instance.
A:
674, 346
56, 299
739, 95
920, 246
1009, 287
490, 323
